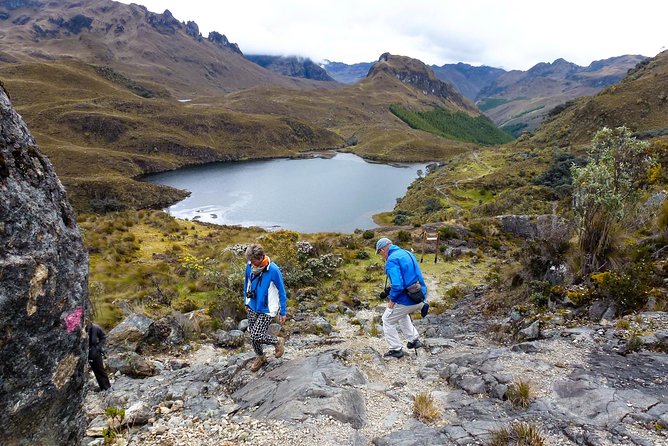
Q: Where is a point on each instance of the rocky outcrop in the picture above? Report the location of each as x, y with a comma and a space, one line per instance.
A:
418, 75
318, 385
541, 227
43, 295
164, 23
222, 41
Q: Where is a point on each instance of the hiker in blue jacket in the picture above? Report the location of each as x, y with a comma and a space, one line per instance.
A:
264, 298
407, 294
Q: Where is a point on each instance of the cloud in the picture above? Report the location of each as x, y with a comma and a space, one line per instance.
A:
514, 34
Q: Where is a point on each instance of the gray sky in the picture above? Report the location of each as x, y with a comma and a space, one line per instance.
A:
510, 34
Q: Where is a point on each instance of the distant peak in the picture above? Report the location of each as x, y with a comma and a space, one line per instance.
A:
416, 74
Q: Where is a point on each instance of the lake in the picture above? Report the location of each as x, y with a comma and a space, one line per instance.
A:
337, 194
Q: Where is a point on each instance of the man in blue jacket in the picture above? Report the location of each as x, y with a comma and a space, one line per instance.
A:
403, 271
264, 297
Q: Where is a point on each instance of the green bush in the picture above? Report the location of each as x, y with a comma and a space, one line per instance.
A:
605, 192
403, 236
368, 234
432, 204
446, 233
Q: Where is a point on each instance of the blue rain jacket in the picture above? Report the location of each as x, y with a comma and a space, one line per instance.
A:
403, 270
268, 289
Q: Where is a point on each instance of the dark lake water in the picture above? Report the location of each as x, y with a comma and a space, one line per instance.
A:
338, 194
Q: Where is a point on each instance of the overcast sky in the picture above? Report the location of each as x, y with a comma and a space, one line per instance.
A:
500, 33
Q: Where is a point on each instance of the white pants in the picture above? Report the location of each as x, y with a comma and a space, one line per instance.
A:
400, 314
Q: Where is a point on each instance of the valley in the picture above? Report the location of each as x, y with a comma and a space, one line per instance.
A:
539, 218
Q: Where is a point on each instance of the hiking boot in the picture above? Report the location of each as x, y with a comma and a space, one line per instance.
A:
259, 362
414, 344
279, 348
394, 354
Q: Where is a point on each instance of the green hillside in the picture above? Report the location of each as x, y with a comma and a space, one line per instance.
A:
453, 125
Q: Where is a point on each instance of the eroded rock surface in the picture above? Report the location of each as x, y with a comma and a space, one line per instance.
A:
43, 296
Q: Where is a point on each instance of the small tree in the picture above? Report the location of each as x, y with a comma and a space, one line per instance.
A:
605, 191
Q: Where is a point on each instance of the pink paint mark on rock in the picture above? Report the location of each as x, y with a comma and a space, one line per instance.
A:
73, 319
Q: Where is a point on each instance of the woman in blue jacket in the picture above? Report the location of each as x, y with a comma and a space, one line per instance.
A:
264, 297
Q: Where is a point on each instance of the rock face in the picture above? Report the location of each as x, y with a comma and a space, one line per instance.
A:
415, 73
43, 295
291, 66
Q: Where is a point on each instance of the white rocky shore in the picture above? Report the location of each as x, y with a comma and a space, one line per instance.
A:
337, 389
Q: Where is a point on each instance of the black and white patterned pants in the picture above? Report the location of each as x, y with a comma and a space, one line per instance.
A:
258, 324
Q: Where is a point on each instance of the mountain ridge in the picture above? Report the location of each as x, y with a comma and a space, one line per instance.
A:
155, 49
518, 99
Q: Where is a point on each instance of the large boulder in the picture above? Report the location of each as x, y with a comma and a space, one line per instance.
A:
130, 333
43, 296
307, 387
536, 227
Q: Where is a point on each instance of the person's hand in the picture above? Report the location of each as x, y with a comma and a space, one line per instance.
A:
391, 305
281, 319
385, 293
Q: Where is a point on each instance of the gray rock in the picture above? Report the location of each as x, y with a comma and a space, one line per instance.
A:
130, 364
229, 339
530, 333
137, 414
472, 384
129, 334
541, 227
305, 387
417, 434
43, 295
243, 325
526, 347
166, 332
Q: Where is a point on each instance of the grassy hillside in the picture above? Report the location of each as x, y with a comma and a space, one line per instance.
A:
639, 102
158, 265
453, 125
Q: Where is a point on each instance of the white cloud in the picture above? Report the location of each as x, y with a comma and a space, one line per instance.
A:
512, 34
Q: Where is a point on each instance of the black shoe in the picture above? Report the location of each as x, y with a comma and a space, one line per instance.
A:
414, 344
424, 310
394, 354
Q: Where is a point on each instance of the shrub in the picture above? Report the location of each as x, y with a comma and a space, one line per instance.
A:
628, 289
558, 175
425, 407
622, 324
477, 228
605, 191
281, 246
520, 394
362, 255
368, 234
403, 236
432, 204
400, 219
446, 233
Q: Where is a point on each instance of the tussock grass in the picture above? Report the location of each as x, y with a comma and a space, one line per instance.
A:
520, 394
425, 407
517, 434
